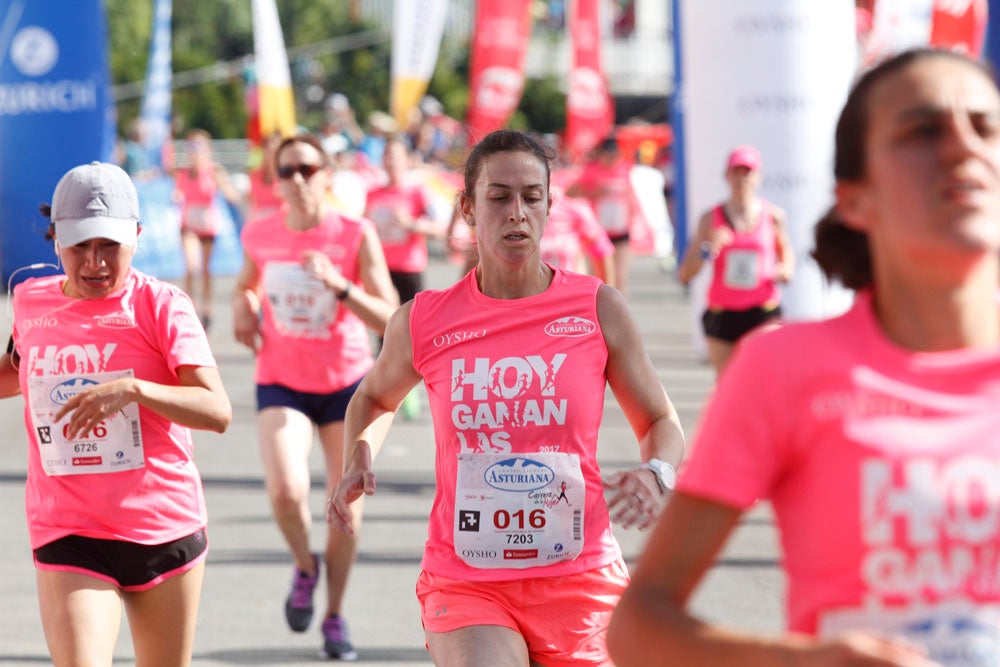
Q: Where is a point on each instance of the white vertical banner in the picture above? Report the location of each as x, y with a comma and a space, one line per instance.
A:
417, 26
773, 74
157, 100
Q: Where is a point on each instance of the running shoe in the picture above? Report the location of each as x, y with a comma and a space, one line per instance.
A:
336, 642
299, 605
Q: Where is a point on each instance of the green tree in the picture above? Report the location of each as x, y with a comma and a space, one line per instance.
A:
208, 32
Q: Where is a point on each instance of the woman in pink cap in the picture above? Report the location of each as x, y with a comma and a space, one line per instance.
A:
746, 241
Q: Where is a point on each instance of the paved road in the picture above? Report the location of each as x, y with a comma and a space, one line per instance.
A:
241, 621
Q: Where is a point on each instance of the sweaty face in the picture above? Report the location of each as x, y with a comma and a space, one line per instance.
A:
95, 268
931, 191
509, 205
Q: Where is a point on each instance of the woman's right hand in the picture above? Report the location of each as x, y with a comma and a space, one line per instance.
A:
719, 238
352, 485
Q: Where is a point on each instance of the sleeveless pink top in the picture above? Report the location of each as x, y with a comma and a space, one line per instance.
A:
744, 273
309, 341
523, 377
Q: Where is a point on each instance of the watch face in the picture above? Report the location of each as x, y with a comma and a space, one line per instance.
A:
664, 471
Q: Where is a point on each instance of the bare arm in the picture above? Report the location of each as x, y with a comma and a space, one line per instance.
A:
786, 255
369, 415
198, 401
654, 421
693, 258
8, 377
246, 305
376, 303
604, 268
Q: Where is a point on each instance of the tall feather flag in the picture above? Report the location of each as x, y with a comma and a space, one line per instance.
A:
417, 26
271, 104
156, 101
499, 46
590, 110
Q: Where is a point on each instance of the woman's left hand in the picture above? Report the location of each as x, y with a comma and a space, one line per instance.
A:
91, 407
634, 499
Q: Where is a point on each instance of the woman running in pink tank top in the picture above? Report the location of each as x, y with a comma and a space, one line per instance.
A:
520, 566
313, 287
745, 239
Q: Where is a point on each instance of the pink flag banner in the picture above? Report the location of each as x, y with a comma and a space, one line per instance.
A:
590, 111
499, 45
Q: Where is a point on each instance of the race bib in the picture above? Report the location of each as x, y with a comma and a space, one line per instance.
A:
954, 634
115, 444
201, 220
303, 307
519, 510
613, 213
742, 269
389, 231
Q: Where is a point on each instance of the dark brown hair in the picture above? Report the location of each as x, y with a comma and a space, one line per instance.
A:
302, 139
841, 251
503, 141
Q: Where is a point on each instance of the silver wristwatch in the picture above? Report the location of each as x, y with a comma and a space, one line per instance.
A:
666, 476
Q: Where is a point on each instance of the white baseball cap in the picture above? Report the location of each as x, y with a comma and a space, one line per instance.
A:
96, 200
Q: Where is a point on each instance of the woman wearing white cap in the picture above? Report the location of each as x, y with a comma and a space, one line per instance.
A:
116, 370
745, 238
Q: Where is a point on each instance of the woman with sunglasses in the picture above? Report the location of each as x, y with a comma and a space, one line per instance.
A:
313, 282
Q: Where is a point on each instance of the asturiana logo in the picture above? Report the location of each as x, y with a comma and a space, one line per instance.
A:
519, 475
570, 327
66, 390
116, 321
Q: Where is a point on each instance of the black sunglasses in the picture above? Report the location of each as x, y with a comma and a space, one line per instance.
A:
305, 170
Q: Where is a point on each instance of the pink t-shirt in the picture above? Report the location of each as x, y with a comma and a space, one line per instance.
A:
610, 193
744, 272
405, 250
883, 468
148, 329
309, 341
571, 233
516, 392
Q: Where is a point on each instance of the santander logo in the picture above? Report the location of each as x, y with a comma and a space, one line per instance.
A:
570, 327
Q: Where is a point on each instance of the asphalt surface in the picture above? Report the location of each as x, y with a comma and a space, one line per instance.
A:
249, 570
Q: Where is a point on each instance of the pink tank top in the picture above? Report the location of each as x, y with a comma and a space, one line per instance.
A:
310, 341
516, 390
744, 272
405, 250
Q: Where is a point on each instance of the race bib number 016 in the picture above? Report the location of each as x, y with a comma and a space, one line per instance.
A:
302, 305
114, 445
518, 510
